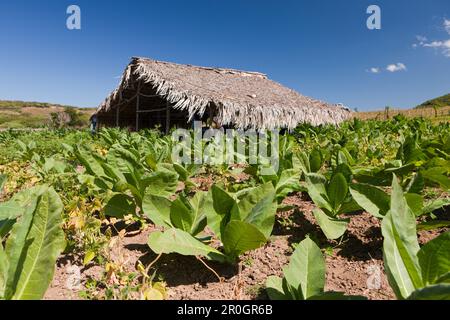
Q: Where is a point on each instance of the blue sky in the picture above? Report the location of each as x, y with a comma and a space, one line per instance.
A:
321, 48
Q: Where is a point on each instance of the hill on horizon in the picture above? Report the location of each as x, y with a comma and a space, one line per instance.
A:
25, 104
439, 102
26, 114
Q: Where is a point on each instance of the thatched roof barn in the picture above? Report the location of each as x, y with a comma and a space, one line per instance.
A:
167, 94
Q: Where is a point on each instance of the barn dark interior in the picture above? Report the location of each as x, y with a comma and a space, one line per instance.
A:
142, 108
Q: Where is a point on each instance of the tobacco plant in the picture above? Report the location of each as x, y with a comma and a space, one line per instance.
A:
241, 223
125, 178
377, 202
35, 240
414, 273
304, 277
183, 220
244, 222
332, 199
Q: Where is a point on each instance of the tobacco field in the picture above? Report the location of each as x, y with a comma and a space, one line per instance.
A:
359, 211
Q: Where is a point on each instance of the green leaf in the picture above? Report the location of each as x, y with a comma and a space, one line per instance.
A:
432, 225
349, 207
434, 258
17, 205
14, 246
316, 185
372, 199
182, 172
222, 201
345, 157
114, 175
198, 212
345, 170
124, 160
435, 292
374, 177
151, 161
274, 288
258, 207
90, 162
445, 278
306, 269
10, 210
288, 182
88, 257
181, 242
401, 171
3, 271
162, 183
416, 184
291, 292
437, 175
415, 203
434, 205
6, 226
157, 209
153, 295
217, 207
300, 161
119, 206
33, 248
240, 237
332, 228
181, 215
315, 160
400, 246
337, 190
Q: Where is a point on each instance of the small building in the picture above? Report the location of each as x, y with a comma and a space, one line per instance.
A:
156, 93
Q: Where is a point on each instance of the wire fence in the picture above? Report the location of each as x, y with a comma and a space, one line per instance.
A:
439, 114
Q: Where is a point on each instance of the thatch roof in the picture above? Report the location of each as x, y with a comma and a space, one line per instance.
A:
244, 99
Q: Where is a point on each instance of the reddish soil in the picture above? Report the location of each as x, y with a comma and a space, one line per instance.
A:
352, 265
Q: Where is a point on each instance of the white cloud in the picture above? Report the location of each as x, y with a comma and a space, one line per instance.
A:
447, 25
442, 45
435, 44
374, 70
421, 38
396, 67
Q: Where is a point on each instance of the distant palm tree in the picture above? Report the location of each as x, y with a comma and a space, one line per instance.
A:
386, 112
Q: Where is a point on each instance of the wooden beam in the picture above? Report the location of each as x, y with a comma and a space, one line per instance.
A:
118, 109
151, 95
210, 116
153, 110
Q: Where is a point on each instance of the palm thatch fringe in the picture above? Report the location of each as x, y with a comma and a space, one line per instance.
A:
243, 99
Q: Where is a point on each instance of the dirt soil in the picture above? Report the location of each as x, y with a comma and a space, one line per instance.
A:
354, 265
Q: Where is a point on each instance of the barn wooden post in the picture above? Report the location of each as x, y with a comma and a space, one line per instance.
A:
137, 113
167, 117
118, 110
137, 106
